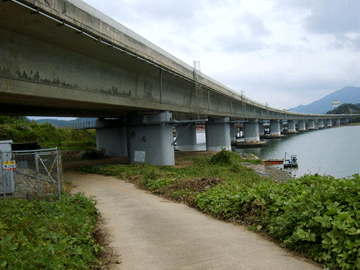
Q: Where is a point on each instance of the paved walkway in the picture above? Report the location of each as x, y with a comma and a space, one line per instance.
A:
152, 233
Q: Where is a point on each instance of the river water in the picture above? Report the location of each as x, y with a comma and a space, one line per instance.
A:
331, 151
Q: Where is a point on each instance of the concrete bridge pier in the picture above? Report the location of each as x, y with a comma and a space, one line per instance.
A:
261, 129
291, 126
338, 122
275, 128
152, 135
321, 123
111, 137
186, 137
302, 125
232, 132
312, 124
251, 131
329, 123
218, 134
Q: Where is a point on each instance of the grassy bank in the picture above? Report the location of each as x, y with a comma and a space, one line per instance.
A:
316, 215
48, 235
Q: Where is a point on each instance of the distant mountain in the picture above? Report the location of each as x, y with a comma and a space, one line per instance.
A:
64, 123
348, 94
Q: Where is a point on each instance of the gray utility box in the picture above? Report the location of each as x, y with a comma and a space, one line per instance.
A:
6, 176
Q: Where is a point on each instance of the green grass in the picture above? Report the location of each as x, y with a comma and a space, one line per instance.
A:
155, 177
48, 235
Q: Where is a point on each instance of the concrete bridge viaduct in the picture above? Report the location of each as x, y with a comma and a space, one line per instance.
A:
64, 58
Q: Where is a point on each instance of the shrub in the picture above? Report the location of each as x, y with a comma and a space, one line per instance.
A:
224, 158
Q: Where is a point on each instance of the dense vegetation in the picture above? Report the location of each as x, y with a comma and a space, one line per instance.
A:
21, 130
347, 109
316, 215
48, 235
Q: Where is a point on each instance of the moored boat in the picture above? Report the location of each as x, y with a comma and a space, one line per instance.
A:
273, 161
291, 163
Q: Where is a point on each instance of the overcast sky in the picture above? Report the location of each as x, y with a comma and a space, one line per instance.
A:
280, 52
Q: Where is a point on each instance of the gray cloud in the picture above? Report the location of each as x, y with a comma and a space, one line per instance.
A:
333, 17
255, 24
328, 16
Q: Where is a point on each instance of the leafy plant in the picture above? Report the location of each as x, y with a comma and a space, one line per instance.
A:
317, 215
48, 235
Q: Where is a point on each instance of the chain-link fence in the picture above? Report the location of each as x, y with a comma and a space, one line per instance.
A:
29, 174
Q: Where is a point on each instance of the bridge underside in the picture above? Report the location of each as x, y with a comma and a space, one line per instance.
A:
46, 69
50, 69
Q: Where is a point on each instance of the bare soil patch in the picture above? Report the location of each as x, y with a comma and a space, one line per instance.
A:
193, 185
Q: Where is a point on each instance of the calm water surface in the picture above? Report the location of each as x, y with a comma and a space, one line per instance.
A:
332, 151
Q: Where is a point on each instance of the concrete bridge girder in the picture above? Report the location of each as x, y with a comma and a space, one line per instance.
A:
51, 66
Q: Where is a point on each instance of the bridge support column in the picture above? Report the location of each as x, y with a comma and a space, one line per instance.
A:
321, 123
291, 126
302, 125
329, 123
232, 132
186, 137
238, 131
312, 124
251, 131
338, 122
261, 129
111, 137
154, 137
218, 134
275, 128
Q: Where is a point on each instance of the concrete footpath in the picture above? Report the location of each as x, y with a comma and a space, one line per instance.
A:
149, 232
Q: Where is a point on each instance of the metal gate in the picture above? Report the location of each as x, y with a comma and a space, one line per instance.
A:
28, 174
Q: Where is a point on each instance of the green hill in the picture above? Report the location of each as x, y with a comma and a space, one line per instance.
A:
346, 108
